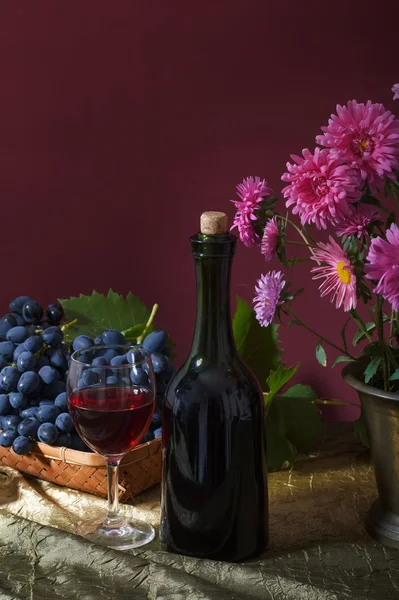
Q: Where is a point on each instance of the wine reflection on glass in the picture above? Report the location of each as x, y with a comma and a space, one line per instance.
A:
111, 406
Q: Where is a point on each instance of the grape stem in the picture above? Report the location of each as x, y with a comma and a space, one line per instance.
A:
68, 325
148, 324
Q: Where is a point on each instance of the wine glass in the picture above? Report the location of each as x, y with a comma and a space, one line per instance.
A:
111, 399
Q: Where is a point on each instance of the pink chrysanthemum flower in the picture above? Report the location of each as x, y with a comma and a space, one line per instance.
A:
267, 298
251, 192
358, 220
270, 239
321, 187
366, 136
395, 90
338, 274
383, 257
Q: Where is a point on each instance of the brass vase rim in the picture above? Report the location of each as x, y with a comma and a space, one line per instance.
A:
350, 374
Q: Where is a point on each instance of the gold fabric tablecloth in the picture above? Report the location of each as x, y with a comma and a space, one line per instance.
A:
318, 545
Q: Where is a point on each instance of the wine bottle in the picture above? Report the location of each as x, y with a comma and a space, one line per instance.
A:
214, 481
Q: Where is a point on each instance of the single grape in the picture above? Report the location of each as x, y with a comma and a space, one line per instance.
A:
5, 405
156, 418
52, 390
89, 377
32, 311
61, 402
64, 440
64, 423
155, 341
9, 379
48, 374
26, 362
47, 414
7, 350
112, 337
55, 313
53, 336
159, 362
148, 436
98, 341
46, 403
138, 376
108, 354
77, 443
18, 351
4, 328
99, 361
18, 400
7, 437
118, 361
146, 368
17, 304
17, 335
33, 344
57, 358
158, 432
10, 422
22, 445
19, 320
42, 361
111, 380
80, 385
3, 362
29, 382
82, 342
28, 412
134, 356
47, 433
9, 319
29, 427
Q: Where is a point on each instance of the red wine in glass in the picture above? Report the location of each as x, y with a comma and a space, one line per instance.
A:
111, 420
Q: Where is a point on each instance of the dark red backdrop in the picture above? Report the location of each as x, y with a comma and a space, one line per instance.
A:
120, 121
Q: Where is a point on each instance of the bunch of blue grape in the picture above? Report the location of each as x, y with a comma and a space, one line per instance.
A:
34, 362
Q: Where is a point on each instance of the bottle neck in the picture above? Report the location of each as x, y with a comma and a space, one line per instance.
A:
213, 335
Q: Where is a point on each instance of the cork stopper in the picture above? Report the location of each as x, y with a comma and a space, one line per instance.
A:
213, 222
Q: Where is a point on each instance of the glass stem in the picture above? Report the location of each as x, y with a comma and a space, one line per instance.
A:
114, 516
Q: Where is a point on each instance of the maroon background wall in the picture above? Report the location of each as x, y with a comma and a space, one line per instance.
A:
121, 121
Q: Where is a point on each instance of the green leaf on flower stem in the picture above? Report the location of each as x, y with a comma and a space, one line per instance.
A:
280, 451
277, 379
360, 334
341, 359
321, 355
372, 368
97, 313
258, 346
301, 417
394, 376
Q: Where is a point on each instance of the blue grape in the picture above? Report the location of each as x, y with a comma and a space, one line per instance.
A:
112, 337
31, 330
19, 320
46, 403
52, 390
108, 354
18, 400
10, 422
55, 313
148, 436
3, 362
28, 412
65, 440
118, 361
99, 361
158, 432
5, 405
146, 368
42, 361
111, 380
156, 418
64, 423
57, 358
89, 377
32, 311
138, 376
7, 437
80, 385
61, 402
82, 342
18, 351
7, 350
53, 336
9, 379
22, 445
155, 341
98, 341
134, 356
47, 414
125, 381
17, 304
48, 374
26, 362
47, 433
159, 362
28, 427
86, 357
33, 344
77, 443
29, 382
17, 335
10, 319
4, 328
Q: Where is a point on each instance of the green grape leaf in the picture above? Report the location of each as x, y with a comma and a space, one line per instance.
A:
258, 346
321, 355
341, 359
97, 313
301, 417
277, 379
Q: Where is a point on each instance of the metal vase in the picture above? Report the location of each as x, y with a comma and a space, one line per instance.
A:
381, 413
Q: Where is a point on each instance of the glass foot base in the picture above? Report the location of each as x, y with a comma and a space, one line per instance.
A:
123, 536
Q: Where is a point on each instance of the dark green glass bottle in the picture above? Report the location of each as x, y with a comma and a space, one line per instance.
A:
214, 486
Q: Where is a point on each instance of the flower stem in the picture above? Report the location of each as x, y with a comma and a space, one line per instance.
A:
360, 323
148, 324
303, 236
380, 328
322, 338
299, 243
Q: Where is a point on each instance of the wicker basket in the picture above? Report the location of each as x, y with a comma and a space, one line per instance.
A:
86, 471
